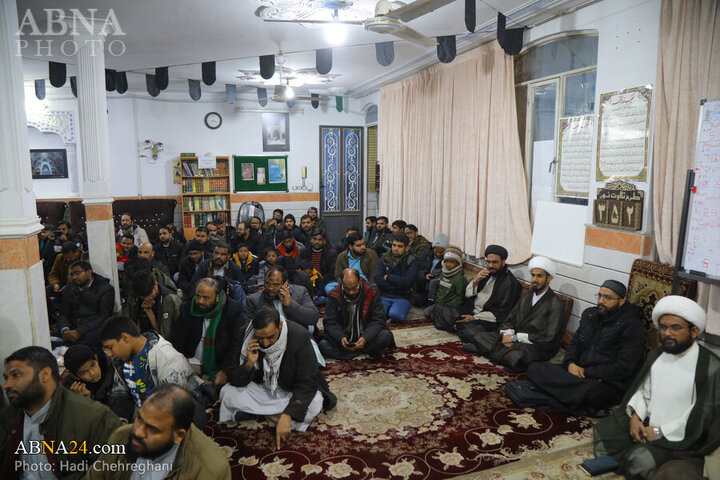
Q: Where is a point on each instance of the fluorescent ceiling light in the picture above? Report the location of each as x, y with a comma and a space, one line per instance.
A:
335, 33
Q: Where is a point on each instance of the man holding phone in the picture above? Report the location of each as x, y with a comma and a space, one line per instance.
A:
276, 376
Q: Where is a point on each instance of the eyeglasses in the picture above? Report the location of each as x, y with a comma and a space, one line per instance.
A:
673, 328
602, 296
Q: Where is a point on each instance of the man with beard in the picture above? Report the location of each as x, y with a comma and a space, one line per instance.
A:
250, 237
274, 223
168, 250
145, 254
354, 321
322, 257
370, 223
221, 266
357, 256
673, 400
208, 331
152, 306
495, 291
163, 443
189, 265
395, 276
277, 376
316, 221
202, 235
42, 410
532, 331
419, 245
306, 228
127, 225
225, 232
288, 246
380, 236
600, 363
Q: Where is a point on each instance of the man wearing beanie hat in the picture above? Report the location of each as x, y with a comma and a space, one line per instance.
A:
450, 293
673, 401
429, 272
189, 264
532, 331
600, 363
495, 291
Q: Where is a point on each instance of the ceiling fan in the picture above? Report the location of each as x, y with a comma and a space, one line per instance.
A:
283, 91
386, 20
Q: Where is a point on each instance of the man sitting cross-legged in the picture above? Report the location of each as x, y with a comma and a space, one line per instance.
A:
322, 257
163, 442
221, 265
277, 374
673, 400
495, 290
533, 330
600, 363
354, 321
395, 276
450, 293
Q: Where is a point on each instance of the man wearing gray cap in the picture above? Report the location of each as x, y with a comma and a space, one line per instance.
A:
674, 399
532, 331
600, 363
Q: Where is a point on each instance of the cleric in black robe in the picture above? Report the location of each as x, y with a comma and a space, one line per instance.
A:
532, 331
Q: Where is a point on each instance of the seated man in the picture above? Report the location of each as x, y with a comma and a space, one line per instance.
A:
58, 276
277, 374
221, 266
600, 363
125, 251
495, 291
85, 306
224, 232
370, 223
127, 225
322, 257
342, 244
248, 263
153, 306
288, 246
306, 228
42, 410
451, 292
357, 256
91, 374
52, 246
532, 331
145, 255
202, 235
380, 236
395, 276
289, 225
355, 321
274, 223
292, 301
168, 250
250, 237
208, 331
168, 223
163, 441
317, 221
429, 272
673, 400
143, 361
189, 264
419, 245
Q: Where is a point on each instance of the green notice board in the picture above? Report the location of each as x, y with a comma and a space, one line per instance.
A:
260, 173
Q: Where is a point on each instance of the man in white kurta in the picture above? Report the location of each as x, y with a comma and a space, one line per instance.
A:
670, 405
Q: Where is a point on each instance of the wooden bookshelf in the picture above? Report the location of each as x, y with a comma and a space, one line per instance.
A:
205, 193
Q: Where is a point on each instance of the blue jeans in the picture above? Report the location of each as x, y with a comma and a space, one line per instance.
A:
396, 308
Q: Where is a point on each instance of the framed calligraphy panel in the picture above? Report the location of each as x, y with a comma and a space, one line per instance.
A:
575, 155
623, 134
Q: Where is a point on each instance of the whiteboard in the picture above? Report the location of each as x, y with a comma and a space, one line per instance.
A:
559, 232
702, 249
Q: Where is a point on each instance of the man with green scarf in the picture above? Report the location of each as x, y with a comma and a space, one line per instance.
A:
208, 331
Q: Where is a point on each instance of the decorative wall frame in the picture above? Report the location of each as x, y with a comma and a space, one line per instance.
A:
276, 132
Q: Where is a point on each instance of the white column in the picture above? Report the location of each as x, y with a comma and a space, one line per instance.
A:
23, 317
95, 148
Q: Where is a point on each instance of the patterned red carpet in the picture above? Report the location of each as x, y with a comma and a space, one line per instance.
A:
426, 411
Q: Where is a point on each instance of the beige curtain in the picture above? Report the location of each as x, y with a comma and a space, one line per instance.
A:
450, 156
688, 71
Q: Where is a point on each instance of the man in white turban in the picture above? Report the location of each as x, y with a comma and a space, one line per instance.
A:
532, 331
673, 401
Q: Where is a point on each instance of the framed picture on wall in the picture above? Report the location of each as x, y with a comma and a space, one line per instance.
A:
50, 163
276, 132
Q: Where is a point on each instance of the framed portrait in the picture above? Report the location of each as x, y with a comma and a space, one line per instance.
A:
247, 171
50, 163
276, 132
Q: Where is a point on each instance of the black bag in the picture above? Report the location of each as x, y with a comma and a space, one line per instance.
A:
525, 394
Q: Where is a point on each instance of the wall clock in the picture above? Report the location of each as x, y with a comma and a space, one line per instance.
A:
213, 120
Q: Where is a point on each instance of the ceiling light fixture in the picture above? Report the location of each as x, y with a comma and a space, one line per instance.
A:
335, 33
289, 92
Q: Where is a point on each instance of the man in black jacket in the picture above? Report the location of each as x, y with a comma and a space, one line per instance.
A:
354, 321
88, 301
322, 257
602, 360
220, 265
494, 291
209, 315
168, 250
395, 277
380, 236
189, 265
277, 374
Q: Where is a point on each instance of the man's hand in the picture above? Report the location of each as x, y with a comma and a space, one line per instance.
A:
56, 287
253, 354
81, 388
482, 274
648, 433
282, 431
464, 319
148, 303
507, 340
637, 429
429, 276
576, 370
221, 378
284, 295
71, 335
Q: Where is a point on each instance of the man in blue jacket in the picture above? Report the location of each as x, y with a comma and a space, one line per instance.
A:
395, 276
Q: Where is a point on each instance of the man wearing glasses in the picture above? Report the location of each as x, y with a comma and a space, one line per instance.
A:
600, 363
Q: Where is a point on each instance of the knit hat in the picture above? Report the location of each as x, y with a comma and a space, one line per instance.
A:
682, 307
441, 240
616, 287
454, 253
543, 263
